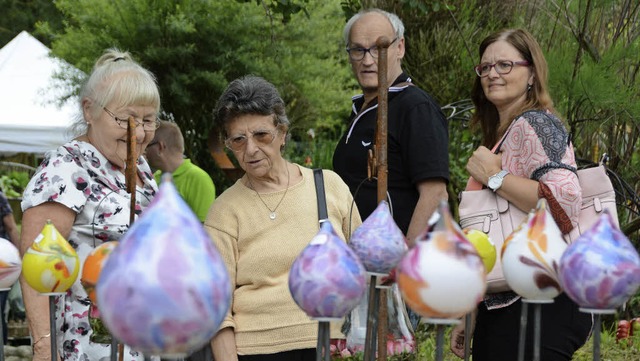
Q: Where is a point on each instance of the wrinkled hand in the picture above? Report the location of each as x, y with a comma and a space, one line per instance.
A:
457, 340
483, 164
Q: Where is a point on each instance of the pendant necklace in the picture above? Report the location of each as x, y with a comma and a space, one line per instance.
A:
272, 215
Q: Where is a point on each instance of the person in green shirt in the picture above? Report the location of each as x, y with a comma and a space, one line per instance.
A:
165, 154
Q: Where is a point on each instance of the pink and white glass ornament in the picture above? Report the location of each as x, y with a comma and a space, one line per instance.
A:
531, 256
10, 264
442, 276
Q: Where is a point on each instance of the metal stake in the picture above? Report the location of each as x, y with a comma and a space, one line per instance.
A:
1, 338
537, 330
52, 325
114, 346
467, 336
323, 350
523, 330
372, 320
597, 325
439, 342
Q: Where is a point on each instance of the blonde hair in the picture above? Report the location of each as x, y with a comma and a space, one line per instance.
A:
117, 78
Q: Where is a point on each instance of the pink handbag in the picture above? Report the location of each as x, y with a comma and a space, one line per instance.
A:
484, 210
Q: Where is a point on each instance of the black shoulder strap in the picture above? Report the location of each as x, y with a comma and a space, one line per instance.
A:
504, 137
322, 201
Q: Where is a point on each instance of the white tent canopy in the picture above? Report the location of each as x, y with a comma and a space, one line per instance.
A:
30, 119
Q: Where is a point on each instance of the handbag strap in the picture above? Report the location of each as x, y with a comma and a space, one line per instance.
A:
322, 201
504, 137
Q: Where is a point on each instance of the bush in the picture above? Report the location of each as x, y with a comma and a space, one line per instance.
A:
13, 183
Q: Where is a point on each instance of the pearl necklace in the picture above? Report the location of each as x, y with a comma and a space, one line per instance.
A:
272, 215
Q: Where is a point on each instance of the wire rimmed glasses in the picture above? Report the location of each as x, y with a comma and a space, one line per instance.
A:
261, 137
358, 53
502, 67
147, 124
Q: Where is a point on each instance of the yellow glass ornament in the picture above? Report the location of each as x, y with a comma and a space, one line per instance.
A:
50, 265
486, 249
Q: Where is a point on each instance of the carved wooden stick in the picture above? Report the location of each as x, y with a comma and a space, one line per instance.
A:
382, 169
131, 180
131, 170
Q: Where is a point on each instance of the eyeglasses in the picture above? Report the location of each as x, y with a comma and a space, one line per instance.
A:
502, 67
260, 137
356, 54
147, 124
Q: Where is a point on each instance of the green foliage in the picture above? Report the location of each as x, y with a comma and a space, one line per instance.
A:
313, 152
440, 58
196, 47
287, 8
422, 7
13, 183
19, 15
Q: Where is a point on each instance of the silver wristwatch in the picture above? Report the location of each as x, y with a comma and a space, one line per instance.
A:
495, 181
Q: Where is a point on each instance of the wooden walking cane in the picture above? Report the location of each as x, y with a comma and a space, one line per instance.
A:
377, 310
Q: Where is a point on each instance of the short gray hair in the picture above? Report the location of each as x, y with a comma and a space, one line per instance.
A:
116, 77
396, 23
250, 94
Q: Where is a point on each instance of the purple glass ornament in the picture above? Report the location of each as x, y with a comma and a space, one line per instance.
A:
601, 269
327, 279
442, 276
531, 257
379, 242
164, 290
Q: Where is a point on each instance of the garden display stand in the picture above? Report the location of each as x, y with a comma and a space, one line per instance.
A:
50, 254
440, 324
602, 255
537, 327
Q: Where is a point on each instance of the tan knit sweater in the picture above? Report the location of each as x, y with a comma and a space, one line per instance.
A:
259, 252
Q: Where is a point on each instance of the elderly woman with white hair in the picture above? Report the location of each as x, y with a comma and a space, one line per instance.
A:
81, 188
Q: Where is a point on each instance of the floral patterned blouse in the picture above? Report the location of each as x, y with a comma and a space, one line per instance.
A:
79, 177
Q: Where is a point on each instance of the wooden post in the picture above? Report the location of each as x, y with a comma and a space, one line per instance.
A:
131, 175
382, 173
131, 170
